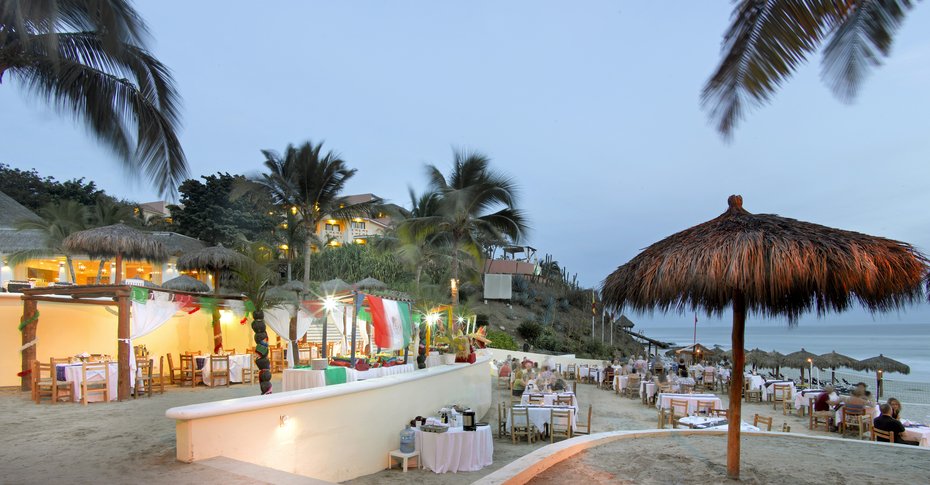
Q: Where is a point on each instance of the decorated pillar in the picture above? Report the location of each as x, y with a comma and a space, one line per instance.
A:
27, 325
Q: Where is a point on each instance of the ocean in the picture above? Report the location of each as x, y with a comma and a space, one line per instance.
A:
905, 342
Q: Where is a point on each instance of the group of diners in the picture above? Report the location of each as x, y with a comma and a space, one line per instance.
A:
888, 420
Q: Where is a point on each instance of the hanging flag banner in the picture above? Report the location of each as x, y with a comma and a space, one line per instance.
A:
391, 321
139, 294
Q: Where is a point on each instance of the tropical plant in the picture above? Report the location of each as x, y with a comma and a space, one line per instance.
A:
767, 41
107, 212
206, 211
254, 280
89, 58
529, 330
308, 182
475, 205
501, 340
58, 220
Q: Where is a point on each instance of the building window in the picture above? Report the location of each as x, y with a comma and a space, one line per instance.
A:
332, 227
358, 225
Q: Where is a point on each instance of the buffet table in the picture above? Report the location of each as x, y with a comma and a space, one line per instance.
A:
456, 450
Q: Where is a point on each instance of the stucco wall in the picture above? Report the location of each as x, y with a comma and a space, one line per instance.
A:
67, 329
334, 433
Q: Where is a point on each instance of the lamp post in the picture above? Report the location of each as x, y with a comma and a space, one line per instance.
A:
810, 377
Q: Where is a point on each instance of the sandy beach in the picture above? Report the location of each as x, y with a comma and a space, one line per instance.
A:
113, 442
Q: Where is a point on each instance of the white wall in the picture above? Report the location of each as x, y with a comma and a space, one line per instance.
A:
333, 433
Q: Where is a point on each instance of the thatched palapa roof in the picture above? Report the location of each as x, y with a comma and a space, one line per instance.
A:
884, 364
118, 239
833, 360
178, 244
334, 286
214, 258
782, 267
370, 284
798, 360
186, 283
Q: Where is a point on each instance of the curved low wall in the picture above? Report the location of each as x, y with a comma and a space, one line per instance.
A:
332, 433
523, 470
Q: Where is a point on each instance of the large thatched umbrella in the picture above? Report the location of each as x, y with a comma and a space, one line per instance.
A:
119, 241
335, 286
774, 360
834, 360
215, 259
770, 265
186, 283
801, 359
881, 364
370, 284
756, 358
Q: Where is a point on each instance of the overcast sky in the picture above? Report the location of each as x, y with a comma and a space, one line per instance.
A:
592, 106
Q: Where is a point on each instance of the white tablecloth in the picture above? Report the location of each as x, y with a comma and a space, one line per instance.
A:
770, 388
620, 382
237, 362
801, 399
73, 374
361, 375
593, 372
647, 388
541, 415
456, 450
293, 379
756, 382
664, 400
921, 434
698, 421
549, 398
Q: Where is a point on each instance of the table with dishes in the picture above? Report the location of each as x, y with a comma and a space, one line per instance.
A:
714, 423
72, 373
916, 432
455, 450
664, 401
237, 362
549, 398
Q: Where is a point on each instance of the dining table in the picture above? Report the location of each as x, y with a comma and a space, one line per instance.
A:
549, 398
802, 398
307, 378
237, 362
455, 450
665, 398
541, 415
916, 432
714, 423
769, 388
72, 373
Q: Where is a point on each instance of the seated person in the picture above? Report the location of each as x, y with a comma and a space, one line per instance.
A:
826, 400
558, 385
887, 423
856, 401
546, 374
866, 394
505, 369
519, 382
895, 408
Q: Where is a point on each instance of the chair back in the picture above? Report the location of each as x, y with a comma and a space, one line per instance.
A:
563, 401
55, 361
759, 419
560, 422
536, 399
879, 435
720, 413
219, 363
706, 406
519, 417
145, 367
678, 404
781, 392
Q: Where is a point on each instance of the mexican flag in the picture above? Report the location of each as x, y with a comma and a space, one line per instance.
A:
391, 321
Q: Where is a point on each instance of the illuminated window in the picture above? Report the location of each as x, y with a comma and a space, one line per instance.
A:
358, 225
332, 227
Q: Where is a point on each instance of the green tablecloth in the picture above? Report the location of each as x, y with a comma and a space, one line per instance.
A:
335, 375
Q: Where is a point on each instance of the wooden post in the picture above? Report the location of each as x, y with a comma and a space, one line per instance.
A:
734, 416
123, 349
292, 337
354, 325
217, 329
30, 309
119, 269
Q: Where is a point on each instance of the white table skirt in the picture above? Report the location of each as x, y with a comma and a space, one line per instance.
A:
647, 388
237, 362
756, 382
769, 388
456, 450
801, 399
541, 415
921, 434
620, 382
593, 372
73, 374
665, 399
294, 379
549, 398
361, 375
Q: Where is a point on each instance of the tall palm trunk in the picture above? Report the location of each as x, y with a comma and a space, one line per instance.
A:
103, 261
70, 263
455, 269
308, 250
261, 348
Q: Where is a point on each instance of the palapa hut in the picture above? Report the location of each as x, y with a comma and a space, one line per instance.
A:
119, 241
757, 358
216, 260
370, 284
771, 266
801, 359
186, 283
881, 364
335, 286
833, 361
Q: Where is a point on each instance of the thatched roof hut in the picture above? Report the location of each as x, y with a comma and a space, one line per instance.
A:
178, 244
119, 241
186, 283
770, 266
217, 260
834, 360
370, 284
884, 364
334, 286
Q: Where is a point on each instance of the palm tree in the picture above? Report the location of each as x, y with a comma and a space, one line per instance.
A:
308, 183
59, 219
89, 58
292, 237
767, 41
465, 215
106, 212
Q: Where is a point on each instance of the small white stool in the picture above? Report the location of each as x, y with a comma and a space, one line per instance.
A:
404, 457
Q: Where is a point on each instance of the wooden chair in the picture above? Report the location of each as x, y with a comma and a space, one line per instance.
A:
678, 408
250, 373
852, 415
570, 371
721, 413
664, 417
230, 351
584, 428
879, 435
536, 399
219, 368
818, 418
193, 352
685, 388
276, 356
158, 378
503, 382
563, 401
101, 387
560, 424
520, 425
174, 373
143, 378
632, 386
781, 394
750, 394
43, 381
757, 419
189, 371
608, 380
501, 419
706, 406
710, 380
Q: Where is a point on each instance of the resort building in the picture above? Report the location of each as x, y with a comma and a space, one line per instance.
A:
337, 232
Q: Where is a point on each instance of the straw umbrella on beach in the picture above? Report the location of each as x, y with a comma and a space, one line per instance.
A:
771, 266
119, 241
881, 364
834, 360
801, 359
756, 357
186, 283
370, 284
775, 360
216, 260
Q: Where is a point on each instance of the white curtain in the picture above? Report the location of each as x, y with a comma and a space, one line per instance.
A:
279, 319
148, 316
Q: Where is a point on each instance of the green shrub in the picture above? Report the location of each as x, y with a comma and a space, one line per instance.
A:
501, 340
529, 330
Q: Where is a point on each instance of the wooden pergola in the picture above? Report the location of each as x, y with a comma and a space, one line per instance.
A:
106, 295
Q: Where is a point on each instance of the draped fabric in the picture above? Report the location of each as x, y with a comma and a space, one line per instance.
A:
279, 319
147, 316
